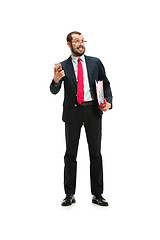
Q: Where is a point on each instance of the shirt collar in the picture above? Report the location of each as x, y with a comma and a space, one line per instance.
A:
74, 59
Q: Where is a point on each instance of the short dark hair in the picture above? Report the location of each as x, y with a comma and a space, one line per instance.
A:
69, 36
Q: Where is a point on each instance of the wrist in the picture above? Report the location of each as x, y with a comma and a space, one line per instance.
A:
55, 81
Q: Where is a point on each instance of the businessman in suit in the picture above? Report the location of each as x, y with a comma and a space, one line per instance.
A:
80, 108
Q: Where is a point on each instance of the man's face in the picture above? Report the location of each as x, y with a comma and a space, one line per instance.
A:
77, 45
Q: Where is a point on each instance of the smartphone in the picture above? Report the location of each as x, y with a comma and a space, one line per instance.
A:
57, 65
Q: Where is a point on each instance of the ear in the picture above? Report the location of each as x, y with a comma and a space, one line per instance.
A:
69, 44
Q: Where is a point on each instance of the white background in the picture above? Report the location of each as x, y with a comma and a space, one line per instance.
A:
125, 36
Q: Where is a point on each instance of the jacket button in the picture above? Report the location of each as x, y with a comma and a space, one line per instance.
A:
75, 105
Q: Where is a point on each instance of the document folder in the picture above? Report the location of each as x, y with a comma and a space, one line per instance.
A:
100, 93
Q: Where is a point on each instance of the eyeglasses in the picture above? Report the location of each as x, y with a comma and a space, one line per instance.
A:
79, 42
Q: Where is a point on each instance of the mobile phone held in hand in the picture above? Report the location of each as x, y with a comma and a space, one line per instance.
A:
57, 66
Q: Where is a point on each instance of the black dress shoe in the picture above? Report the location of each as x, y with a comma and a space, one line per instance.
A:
69, 199
99, 200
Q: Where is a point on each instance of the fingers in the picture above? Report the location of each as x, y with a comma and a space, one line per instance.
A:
104, 109
57, 70
107, 107
61, 74
58, 74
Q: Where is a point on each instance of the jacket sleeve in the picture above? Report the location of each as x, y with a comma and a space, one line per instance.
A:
55, 88
106, 83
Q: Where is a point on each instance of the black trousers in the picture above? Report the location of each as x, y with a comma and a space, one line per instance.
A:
92, 121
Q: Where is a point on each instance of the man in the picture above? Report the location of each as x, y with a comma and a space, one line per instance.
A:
80, 107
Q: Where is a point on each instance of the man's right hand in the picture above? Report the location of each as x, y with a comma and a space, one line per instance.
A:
58, 74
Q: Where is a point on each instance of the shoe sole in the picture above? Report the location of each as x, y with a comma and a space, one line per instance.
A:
100, 204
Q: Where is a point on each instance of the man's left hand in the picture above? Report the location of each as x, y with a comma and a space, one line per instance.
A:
108, 106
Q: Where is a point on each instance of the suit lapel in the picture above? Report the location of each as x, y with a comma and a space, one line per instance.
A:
71, 70
89, 67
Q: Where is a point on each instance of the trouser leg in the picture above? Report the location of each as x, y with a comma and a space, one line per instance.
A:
93, 128
72, 132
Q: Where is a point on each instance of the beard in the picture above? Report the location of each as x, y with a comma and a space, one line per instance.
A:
76, 52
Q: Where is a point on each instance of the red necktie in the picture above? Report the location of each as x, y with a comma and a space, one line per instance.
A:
80, 90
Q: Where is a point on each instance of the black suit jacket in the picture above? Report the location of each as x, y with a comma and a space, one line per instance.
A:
95, 70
